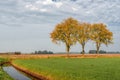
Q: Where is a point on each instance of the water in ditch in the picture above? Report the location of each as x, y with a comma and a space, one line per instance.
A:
15, 74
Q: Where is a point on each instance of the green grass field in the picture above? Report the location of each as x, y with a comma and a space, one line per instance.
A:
74, 68
4, 75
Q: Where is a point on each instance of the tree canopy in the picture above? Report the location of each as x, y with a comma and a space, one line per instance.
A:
65, 32
83, 34
101, 35
71, 31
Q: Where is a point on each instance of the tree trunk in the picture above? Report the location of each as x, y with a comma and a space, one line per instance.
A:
98, 47
83, 46
67, 48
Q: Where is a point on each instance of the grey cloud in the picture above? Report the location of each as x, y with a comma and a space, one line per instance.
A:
88, 10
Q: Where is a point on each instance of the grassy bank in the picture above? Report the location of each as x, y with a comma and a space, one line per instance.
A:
3, 60
74, 69
4, 75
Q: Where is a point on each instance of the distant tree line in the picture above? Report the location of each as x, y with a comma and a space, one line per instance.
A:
71, 31
94, 51
104, 52
17, 53
43, 52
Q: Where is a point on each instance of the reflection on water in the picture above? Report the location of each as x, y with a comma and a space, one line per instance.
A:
15, 74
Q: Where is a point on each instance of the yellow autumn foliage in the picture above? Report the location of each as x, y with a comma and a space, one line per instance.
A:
71, 31
65, 32
101, 35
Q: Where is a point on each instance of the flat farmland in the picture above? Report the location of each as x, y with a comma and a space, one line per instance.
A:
76, 67
73, 68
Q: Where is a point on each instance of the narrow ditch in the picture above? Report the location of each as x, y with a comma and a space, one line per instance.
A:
19, 74
15, 74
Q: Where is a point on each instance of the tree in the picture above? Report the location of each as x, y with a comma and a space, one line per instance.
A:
83, 34
43, 52
65, 32
101, 35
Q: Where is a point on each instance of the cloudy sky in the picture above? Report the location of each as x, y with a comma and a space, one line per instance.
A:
25, 25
